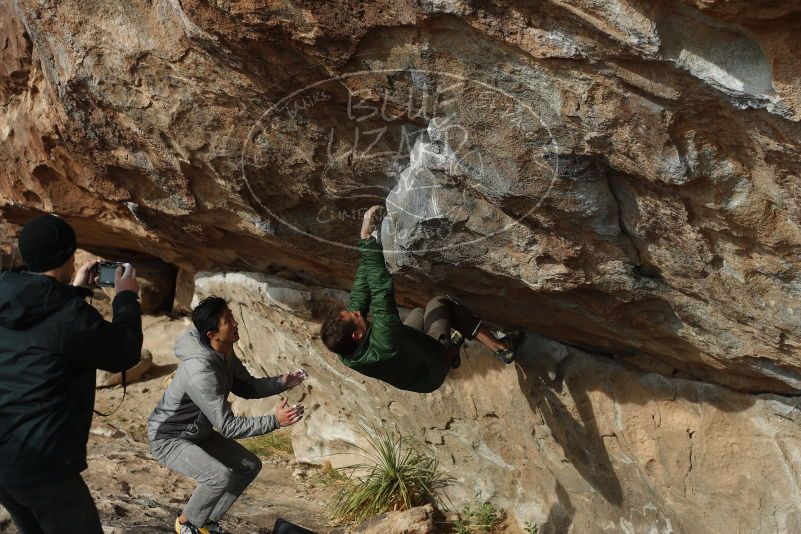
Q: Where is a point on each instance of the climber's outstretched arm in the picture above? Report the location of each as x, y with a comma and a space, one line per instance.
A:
374, 270
379, 281
360, 293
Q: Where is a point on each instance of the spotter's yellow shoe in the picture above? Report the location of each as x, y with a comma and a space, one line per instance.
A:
188, 528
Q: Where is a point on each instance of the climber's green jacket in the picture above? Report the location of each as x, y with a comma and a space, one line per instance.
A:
392, 352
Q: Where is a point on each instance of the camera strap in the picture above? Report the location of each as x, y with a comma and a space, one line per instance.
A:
124, 385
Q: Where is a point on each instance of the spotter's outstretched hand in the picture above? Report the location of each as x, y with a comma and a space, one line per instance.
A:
293, 378
288, 415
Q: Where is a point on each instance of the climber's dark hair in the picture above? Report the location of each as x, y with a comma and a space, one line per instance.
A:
337, 333
206, 317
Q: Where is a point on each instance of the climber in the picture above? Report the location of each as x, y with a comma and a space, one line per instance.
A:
415, 355
180, 427
51, 343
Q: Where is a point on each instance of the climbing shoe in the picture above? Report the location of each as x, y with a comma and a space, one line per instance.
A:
451, 351
507, 355
456, 341
189, 528
456, 338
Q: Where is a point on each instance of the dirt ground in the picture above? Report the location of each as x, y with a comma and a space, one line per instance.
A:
135, 494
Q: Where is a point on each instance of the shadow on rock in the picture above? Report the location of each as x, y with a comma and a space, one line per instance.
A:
560, 516
579, 437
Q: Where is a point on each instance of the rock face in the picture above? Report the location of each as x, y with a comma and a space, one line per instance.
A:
419, 520
600, 448
620, 177
107, 378
623, 175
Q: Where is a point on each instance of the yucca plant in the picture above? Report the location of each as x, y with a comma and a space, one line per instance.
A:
397, 476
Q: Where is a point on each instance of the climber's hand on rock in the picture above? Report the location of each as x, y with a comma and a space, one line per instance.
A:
372, 218
288, 415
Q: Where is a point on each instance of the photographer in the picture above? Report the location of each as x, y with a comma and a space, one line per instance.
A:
51, 343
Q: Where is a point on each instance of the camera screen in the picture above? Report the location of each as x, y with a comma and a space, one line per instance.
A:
107, 275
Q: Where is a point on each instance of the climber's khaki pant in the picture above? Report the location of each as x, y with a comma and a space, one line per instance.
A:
442, 314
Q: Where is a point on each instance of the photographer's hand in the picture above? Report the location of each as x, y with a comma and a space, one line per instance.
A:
85, 275
125, 279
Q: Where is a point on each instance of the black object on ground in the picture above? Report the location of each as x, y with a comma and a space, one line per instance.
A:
282, 526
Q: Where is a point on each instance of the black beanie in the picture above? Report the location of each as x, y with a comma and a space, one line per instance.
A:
46, 242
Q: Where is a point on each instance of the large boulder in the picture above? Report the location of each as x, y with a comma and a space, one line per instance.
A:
417, 520
563, 438
107, 378
620, 176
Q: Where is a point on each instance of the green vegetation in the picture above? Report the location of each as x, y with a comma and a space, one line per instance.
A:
329, 476
276, 443
532, 528
477, 518
398, 476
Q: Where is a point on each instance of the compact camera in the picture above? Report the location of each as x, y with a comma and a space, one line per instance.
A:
106, 271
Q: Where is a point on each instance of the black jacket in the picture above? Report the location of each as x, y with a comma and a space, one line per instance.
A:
51, 342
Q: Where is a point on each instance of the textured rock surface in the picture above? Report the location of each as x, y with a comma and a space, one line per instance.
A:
620, 176
602, 448
635, 165
106, 378
418, 520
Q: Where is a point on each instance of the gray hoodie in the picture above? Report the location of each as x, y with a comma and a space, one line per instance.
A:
197, 397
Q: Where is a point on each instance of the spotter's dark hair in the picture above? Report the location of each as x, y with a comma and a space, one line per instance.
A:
206, 316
